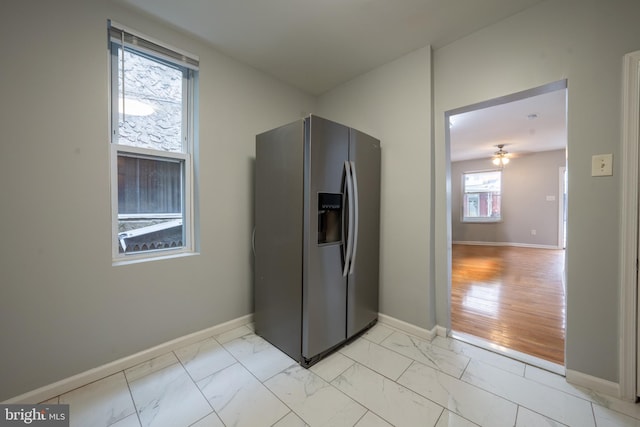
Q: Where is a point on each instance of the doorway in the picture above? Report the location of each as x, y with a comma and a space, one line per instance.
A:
507, 275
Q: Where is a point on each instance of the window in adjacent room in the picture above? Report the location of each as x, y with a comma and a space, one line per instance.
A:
152, 146
481, 196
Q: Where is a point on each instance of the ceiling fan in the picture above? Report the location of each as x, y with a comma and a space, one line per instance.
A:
500, 157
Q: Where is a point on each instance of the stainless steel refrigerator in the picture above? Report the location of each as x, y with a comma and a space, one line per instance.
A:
316, 242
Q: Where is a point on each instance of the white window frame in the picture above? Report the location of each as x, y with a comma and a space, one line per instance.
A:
189, 62
466, 219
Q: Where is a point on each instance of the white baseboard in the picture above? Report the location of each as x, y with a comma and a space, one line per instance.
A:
65, 385
593, 383
512, 244
574, 377
408, 327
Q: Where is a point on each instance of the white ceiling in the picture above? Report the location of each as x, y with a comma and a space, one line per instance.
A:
316, 45
527, 125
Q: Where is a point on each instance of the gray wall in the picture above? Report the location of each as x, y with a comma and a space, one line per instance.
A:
583, 41
526, 183
393, 103
63, 307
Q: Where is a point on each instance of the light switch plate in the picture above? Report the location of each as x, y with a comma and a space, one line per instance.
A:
602, 165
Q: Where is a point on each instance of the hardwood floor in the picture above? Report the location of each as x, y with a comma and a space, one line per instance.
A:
511, 296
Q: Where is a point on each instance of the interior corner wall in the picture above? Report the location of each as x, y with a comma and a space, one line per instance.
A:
393, 103
584, 42
64, 308
528, 182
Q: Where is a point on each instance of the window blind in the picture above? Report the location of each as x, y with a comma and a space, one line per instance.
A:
121, 34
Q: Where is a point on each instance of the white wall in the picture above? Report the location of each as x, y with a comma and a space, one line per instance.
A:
393, 103
63, 307
583, 41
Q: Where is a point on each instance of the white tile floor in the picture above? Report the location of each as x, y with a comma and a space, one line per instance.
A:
384, 378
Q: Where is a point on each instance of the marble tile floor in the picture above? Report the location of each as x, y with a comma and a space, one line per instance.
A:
384, 378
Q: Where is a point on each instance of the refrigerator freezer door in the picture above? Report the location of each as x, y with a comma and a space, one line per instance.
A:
362, 300
278, 236
324, 288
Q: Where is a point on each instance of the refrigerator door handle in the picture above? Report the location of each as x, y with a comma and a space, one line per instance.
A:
356, 216
349, 194
253, 241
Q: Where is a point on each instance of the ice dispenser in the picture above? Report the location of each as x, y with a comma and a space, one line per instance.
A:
329, 218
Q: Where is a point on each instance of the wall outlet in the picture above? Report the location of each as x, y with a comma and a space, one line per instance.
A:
533, 232
602, 165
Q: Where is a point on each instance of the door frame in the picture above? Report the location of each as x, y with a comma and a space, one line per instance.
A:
629, 375
546, 88
561, 207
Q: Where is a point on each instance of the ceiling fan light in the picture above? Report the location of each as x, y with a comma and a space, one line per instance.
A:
505, 160
496, 161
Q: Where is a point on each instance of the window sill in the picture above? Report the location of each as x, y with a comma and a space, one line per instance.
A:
142, 258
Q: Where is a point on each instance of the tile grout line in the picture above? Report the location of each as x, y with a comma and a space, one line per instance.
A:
438, 369
440, 416
195, 383
355, 362
384, 377
363, 415
330, 383
262, 383
133, 401
526, 407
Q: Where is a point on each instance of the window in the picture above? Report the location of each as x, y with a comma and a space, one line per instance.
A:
152, 146
481, 196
